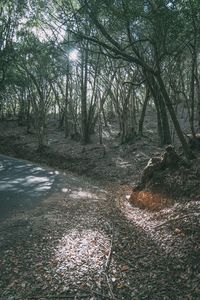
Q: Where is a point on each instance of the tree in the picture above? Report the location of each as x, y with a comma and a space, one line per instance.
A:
139, 35
33, 63
125, 47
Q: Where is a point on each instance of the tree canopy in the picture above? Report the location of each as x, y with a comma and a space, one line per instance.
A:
129, 54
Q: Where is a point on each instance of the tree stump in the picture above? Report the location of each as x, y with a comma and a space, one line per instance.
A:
141, 196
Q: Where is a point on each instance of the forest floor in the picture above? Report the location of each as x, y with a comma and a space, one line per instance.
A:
90, 242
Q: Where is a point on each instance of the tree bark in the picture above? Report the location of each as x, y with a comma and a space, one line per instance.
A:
162, 118
84, 78
187, 151
143, 112
66, 123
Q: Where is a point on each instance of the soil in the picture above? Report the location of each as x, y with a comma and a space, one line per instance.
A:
90, 241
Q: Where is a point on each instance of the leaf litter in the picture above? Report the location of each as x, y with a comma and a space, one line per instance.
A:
90, 242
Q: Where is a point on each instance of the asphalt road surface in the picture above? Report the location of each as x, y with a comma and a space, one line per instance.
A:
23, 185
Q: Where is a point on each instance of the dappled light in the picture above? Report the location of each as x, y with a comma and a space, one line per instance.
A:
81, 253
73, 55
22, 182
65, 190
54, 172
40, 184
122, 163
88, 241
149, 200
162, 220
25, 181
83, 194
101, 102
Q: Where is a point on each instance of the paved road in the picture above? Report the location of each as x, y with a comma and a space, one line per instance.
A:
23, 185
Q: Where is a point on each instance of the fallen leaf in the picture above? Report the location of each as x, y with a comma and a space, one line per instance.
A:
125, 268
120, 286
178, 231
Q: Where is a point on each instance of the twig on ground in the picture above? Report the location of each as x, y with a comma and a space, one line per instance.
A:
177, 219
103, 296
59, 297
91, 292
110, 288
108, 261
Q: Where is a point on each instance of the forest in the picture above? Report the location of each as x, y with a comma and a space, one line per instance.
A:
109, 92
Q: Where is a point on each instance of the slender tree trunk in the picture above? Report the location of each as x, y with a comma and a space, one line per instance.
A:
143, 112
104, 118
21, 114
198, 100
100, 128
66, 121
194, 64
159, 122
127, 132
165, 122
41, 124
188, 153
28, 121
84, 78
162, 118
192, 92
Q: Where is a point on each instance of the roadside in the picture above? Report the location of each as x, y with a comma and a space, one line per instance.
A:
87, 241
84, 244
117, 163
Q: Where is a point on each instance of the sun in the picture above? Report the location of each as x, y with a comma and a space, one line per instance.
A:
73, 55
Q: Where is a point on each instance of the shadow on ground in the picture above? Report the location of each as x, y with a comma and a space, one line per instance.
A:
78, 244
23, 185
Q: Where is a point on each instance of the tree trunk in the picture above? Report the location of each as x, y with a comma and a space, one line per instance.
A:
127, 127
142, 116
162, 118
84, 78
66, 123
192, 92
188, 153
165, 122
198, 100
28, 121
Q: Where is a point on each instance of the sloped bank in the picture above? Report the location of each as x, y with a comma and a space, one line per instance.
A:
167, 178
11, 145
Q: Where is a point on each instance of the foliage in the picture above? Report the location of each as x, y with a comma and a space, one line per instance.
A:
158, 39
